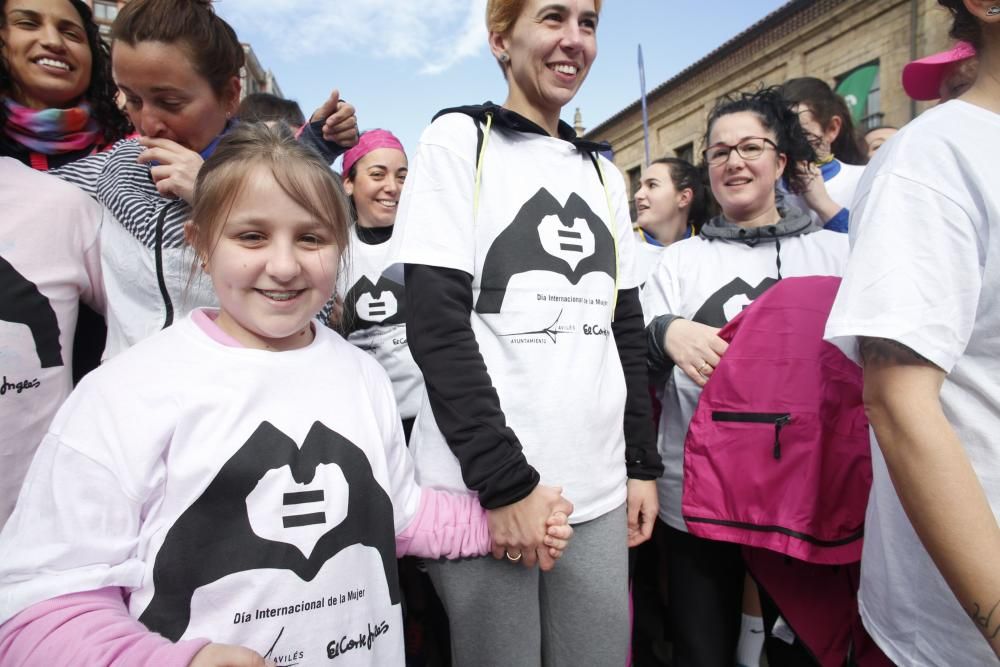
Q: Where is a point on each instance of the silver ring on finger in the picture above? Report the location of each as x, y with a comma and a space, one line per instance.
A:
704, 368
513, 558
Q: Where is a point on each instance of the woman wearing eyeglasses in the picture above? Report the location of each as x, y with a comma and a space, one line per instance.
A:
753, 141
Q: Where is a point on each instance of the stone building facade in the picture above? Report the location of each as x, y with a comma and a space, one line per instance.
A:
828, 39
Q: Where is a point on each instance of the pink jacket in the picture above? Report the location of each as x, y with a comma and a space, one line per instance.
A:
777, 454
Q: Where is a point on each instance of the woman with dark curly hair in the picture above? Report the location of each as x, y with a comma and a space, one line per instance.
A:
55, 81
753, 141
920, 308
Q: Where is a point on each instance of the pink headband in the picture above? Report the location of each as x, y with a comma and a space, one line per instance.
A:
369, 141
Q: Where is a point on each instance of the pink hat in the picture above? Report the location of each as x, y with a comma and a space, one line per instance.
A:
370, 140
922, 78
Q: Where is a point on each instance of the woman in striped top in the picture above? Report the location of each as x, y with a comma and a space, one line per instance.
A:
177, 64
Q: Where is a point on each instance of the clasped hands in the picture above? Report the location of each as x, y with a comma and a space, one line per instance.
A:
533, 531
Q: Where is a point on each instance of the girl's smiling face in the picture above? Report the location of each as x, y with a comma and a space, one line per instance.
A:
273, 266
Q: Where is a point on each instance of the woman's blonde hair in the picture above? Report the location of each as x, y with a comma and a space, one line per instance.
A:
501, 15
297, 170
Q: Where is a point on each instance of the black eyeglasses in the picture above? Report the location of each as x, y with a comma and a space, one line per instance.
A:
749, 149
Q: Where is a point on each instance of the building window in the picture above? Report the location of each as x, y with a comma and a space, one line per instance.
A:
105, 11
862, 91
685, 152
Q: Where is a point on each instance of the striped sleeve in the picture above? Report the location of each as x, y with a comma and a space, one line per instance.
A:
84, 173
116, 179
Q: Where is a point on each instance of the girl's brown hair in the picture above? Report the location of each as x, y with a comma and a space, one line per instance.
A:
297, 170
211, 43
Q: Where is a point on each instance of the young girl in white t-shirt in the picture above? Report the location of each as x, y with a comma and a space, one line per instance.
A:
240, 476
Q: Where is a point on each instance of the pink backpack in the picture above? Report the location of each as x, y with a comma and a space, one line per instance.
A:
777, 454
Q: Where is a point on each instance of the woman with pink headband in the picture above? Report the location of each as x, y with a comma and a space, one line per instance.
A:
374, 310
374, 319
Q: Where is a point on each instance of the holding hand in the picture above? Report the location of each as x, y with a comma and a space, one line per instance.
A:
226, 655
557, 536
177, 167
695, 348
519, 530
340, 120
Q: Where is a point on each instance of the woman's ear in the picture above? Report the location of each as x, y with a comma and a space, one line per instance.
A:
498, 47
231, 96
684, 198
832, 130
782, 160
981, 10
348, 186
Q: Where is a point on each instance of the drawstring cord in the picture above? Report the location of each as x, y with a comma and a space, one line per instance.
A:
777, 258
773, 231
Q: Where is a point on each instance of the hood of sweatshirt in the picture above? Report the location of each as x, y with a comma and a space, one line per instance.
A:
511, 120
793, 222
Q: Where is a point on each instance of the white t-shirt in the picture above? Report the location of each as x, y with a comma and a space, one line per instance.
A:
542, 257
49, 262
647, 256
925, 271
375, 318
241, 495
711, 281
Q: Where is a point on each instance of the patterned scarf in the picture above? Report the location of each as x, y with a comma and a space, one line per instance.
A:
51, 131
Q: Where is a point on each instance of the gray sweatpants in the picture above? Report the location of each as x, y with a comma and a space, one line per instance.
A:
504, 614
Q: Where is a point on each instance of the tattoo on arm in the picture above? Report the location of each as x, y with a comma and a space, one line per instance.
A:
987, 619
882, 351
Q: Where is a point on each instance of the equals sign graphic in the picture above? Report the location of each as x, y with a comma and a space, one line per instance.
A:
575, 236
301, 498
376, 308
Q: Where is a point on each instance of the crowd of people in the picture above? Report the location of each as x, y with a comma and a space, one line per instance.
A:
452, 405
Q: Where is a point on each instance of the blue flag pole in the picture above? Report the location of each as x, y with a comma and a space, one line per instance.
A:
645, 114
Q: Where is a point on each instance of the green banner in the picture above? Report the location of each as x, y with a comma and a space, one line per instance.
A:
855, 88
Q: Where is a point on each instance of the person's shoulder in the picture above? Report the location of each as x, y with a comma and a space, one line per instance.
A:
354, 364
851, 172
142, 378
19, 180
161, 349
611, 171
828, 239
943, 128
687, 254
692, 244
448, 127
330, 342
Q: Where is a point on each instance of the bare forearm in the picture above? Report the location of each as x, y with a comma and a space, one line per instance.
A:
935, 482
